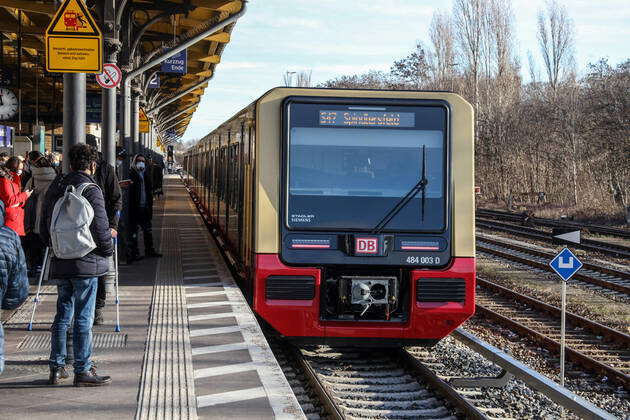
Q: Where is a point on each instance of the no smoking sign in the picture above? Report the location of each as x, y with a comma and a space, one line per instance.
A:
111, 76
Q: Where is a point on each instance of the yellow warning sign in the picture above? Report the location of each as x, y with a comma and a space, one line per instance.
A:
145, 125
74, 43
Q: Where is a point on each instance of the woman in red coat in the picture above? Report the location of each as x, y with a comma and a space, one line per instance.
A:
12, 196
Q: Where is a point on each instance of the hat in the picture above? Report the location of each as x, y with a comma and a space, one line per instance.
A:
121, 152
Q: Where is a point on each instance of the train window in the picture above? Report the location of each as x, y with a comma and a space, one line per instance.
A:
344, 162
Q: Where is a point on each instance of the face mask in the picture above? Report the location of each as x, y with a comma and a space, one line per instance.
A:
55, 164
140, 166
19, 172
119, 162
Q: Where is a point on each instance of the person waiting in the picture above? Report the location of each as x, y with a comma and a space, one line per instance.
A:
140, 210
13, 279
12, 195
42, 175
77, 278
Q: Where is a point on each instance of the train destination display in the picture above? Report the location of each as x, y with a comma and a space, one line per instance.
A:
367, 119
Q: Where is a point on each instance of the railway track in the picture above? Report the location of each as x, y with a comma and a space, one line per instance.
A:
539, 221
603, 279
591, 345
387, 384
607, 248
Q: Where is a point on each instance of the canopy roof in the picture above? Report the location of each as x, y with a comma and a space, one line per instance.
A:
22, 27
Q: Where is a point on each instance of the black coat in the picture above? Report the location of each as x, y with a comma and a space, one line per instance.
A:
108, 181
96, 263
134, 195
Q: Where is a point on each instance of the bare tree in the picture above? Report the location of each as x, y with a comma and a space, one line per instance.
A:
468, 19
303, 78
555, 38
443, 41
413, 70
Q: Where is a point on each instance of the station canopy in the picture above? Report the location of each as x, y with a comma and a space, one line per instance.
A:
23, 24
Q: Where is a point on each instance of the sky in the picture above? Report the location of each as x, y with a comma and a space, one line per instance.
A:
333, 38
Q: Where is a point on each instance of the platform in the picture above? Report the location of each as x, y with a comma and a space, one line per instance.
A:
190, 347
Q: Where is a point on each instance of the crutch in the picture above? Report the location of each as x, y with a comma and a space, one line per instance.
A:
39, 286
117, 328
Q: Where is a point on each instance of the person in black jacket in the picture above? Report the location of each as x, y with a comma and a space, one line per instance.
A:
108, 181
13, 279
140, 209
77, 279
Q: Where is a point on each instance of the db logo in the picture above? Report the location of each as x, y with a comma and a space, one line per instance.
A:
366, 245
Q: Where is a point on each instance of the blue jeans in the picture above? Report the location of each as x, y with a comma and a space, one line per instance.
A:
75, 297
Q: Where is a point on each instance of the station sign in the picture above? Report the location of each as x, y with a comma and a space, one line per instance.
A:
111, 76
566, 264
74, 42
176, 64
145, 125
154, 83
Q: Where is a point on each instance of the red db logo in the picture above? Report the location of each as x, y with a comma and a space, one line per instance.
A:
366, 245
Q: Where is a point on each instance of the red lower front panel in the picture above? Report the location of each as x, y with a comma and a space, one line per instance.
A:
301, 318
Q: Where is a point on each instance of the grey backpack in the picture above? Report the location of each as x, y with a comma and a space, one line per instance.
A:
70, 224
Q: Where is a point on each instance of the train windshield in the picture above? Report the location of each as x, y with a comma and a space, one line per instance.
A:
349, 166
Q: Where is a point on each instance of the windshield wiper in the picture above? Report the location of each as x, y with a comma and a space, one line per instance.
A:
421, 186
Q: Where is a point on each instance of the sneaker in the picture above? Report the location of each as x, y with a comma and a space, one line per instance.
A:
58, 375
98, 317
90, 378
153, 254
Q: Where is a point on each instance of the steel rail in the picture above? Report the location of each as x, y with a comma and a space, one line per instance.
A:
587, 244
541, 221
543, 266
548, 255
539, 382
552, 345
595, 327
324, 396
441, 386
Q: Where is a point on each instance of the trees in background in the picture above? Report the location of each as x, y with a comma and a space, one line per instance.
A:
566, 136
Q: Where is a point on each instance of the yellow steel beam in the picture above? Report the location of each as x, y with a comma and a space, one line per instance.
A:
205, 73
205, 58
29, 6
213, 4
7, 27
222, 37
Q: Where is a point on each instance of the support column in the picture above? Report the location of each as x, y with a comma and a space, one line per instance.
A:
108, 111
125, 114
135, 123
73, 114
108, 130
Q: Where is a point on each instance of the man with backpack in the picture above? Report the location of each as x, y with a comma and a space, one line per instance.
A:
75, 223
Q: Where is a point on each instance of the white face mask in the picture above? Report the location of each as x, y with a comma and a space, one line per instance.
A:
19, 172
118, 162
140, 166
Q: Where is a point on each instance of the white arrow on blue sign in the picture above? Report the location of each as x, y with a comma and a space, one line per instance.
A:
566, 264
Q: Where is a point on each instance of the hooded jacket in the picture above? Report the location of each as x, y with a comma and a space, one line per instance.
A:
96, 263
14, 200
13, 278
108, 181
40, 180
135, 191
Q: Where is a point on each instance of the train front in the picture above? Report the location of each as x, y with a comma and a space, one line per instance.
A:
375, 219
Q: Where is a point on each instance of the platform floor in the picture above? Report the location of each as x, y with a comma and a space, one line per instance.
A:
189, 348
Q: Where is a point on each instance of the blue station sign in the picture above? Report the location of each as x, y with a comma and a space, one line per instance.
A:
176, 64
566, 264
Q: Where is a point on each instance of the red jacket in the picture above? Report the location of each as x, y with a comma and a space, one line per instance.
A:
14, 199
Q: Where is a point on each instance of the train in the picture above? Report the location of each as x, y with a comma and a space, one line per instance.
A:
348, 215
